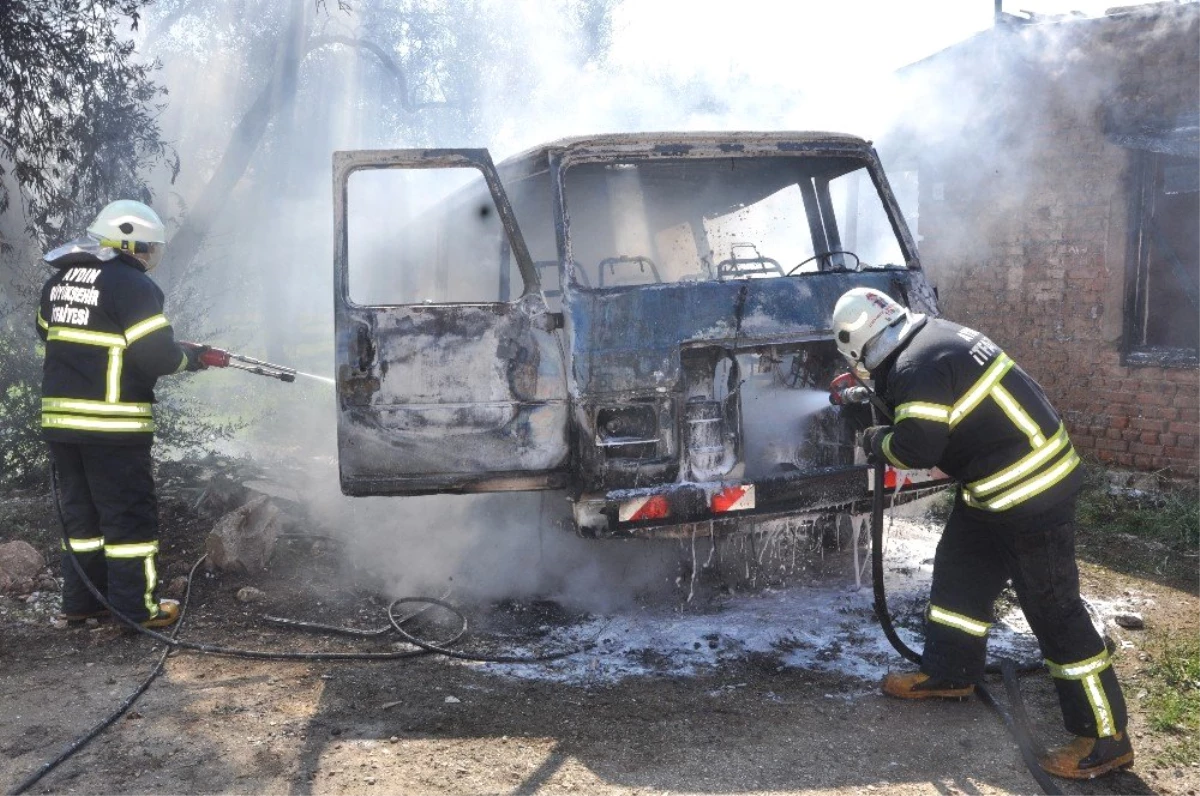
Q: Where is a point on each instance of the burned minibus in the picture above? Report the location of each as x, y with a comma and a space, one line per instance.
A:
639, 320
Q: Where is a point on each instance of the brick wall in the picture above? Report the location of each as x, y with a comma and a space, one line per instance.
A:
1024, 217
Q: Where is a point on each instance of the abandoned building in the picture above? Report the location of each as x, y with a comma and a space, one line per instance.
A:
1057, 172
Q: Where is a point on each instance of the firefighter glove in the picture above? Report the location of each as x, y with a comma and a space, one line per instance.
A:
195, 355
872, 441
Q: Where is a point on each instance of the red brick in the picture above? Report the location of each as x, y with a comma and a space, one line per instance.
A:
1183, 427
1148, 438
1111, 445
1120, 422
1154, 398
1143, 462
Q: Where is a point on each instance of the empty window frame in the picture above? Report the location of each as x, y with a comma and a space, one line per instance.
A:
1163, 287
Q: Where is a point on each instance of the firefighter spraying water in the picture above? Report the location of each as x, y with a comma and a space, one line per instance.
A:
107, 344
955, 400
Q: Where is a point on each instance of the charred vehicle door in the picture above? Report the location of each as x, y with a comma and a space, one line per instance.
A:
450, 370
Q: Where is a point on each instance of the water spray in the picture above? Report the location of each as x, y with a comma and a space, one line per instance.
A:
314, 377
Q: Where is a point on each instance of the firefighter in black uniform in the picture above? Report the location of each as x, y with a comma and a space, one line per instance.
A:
107, 342
961, 404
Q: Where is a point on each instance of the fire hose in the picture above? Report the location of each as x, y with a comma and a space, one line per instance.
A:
173, 643
1018, 721
1018, 726
100, 726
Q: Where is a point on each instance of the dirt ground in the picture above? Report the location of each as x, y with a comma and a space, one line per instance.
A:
431, 725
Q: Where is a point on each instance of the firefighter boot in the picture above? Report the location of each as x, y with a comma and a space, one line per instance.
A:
918, 685
1085, 758
168, 614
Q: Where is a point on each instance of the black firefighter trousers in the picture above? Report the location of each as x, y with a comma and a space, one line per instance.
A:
111, 515
975, 558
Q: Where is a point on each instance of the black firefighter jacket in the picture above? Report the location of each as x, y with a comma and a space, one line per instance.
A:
107, 342
961, 404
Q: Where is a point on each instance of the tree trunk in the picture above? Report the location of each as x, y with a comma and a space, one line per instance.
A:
279, 92
18, 278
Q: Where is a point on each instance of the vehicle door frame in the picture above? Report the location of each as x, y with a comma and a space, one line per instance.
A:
348, 312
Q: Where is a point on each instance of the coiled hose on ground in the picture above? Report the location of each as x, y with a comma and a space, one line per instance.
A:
1018, 726
172, 642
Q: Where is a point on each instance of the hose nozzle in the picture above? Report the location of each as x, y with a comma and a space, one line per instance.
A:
845, 390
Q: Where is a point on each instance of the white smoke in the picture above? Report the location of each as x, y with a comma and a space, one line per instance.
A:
672, 65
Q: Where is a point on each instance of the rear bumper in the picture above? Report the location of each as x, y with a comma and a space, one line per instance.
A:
722, 508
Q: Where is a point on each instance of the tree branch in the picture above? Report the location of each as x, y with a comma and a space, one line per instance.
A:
388, 63
277, 94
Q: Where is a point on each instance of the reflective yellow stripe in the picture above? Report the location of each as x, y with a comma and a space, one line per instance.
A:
81, 406
923, 411
183, 363
85, 545
42, 321
115, 343
143, 328
891, 457
1088, 673
87, 338
1018, 415
981, 388
151, 583
958, 621
1100, 707
131, 550
1080, 669
96, 423
1035, 486
1028, 464
112, 391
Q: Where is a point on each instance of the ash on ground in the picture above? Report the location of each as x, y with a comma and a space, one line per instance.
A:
826, 626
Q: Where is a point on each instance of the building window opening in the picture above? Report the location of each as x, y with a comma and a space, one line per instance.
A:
1164, 289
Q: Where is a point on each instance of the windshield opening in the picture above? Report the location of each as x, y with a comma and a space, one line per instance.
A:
683, 220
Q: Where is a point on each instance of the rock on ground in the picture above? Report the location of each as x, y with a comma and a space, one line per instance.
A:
243, 540
20, 564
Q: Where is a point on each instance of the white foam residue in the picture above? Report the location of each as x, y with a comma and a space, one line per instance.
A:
827, 627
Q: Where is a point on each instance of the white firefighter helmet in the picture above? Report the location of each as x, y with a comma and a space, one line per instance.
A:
869, 325
133, 228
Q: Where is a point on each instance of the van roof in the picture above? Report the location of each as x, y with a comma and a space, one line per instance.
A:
683, 144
